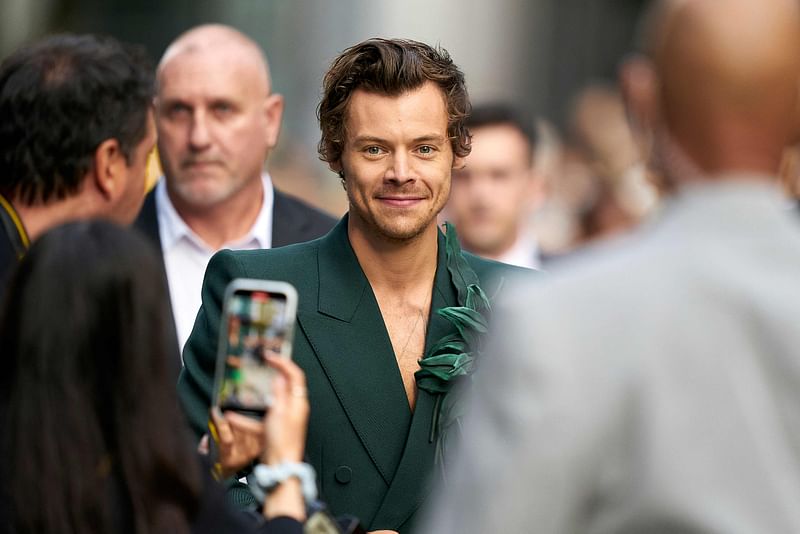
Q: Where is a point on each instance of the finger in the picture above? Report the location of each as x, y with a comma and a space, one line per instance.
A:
224, 435
280, 392
202, 447
295, 376
243, 423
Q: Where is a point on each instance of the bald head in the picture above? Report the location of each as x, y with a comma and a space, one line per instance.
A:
219, 43
217, 119
726, 78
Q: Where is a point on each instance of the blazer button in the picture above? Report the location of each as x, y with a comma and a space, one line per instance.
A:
343, 474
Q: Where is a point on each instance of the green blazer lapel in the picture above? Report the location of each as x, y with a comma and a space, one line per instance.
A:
350, 341
410, 485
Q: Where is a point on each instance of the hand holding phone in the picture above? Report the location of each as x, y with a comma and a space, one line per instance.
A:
236, 440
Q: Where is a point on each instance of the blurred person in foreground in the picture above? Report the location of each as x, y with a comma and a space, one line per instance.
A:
217, 121
494, 194
371, 291
98, 443
76, 128
653, 386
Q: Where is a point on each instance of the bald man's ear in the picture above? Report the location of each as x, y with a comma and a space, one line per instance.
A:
795, 135
639, 85
273, 112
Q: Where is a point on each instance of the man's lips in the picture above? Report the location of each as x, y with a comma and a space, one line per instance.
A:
200, 164
401, 201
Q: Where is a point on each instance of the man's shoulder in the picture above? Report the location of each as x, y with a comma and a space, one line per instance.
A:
487, 269
147, 220
295, 220
289, 201
285, 263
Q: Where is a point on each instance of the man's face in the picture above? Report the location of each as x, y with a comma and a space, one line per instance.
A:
492, 193
130, 201
216, 124
397, 161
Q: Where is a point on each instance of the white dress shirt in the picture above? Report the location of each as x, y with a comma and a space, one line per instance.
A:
186, 255
524, 253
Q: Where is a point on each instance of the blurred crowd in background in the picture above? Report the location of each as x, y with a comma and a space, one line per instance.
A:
556, 64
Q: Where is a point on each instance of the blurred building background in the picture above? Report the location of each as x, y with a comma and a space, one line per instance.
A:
538, 54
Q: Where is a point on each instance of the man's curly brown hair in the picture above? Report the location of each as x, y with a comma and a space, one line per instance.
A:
390, 67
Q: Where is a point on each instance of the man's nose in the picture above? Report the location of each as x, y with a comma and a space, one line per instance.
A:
199, 135
400, 170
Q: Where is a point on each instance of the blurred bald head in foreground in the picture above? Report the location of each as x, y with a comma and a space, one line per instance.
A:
653, 385
716, 88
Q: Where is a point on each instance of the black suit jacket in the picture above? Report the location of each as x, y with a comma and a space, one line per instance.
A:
293, 221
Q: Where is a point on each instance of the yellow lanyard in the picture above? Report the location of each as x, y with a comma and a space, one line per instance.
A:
13, 227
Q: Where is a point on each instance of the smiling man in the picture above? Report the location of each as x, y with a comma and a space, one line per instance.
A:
392, 125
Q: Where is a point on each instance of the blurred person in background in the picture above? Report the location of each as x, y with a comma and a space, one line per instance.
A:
99, 443
217, 121
613, 190
654, 385
494, 194
790, 172
76, 128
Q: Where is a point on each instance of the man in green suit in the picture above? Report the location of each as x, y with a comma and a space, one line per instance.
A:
392, 128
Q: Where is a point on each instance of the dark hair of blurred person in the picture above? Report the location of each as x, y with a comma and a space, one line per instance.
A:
60, 99
501, 114
497, 189
86, 339
76, 129
98, 443
390, 67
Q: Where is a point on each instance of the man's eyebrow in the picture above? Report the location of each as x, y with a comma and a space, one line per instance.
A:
171, 100
429, 138
368, 139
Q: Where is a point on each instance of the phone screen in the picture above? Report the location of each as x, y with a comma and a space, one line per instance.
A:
256, 324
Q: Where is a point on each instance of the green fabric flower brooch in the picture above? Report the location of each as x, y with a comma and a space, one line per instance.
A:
452, 360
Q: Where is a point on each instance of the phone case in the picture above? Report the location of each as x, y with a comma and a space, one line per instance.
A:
258, 317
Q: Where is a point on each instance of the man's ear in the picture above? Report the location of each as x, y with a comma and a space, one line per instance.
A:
273, 113
640, 89
459, 162
538, 188
109, 169
795, 135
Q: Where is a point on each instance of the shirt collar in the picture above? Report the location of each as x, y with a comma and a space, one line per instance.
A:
524, 253
172, 228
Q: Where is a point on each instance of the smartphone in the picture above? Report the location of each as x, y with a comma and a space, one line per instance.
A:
258, 318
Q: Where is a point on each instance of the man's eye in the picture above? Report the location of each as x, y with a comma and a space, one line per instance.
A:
426, 150
177, 110
222, 109
373, 150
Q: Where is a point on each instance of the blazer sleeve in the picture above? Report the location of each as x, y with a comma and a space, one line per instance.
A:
200, 352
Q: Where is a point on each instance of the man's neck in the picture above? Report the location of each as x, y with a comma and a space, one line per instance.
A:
38, 218
497, 252
396, 267
225, 221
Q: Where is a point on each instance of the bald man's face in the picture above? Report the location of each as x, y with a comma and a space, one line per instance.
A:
216, 124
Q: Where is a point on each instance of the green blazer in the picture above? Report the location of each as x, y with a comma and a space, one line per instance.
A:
372, 454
